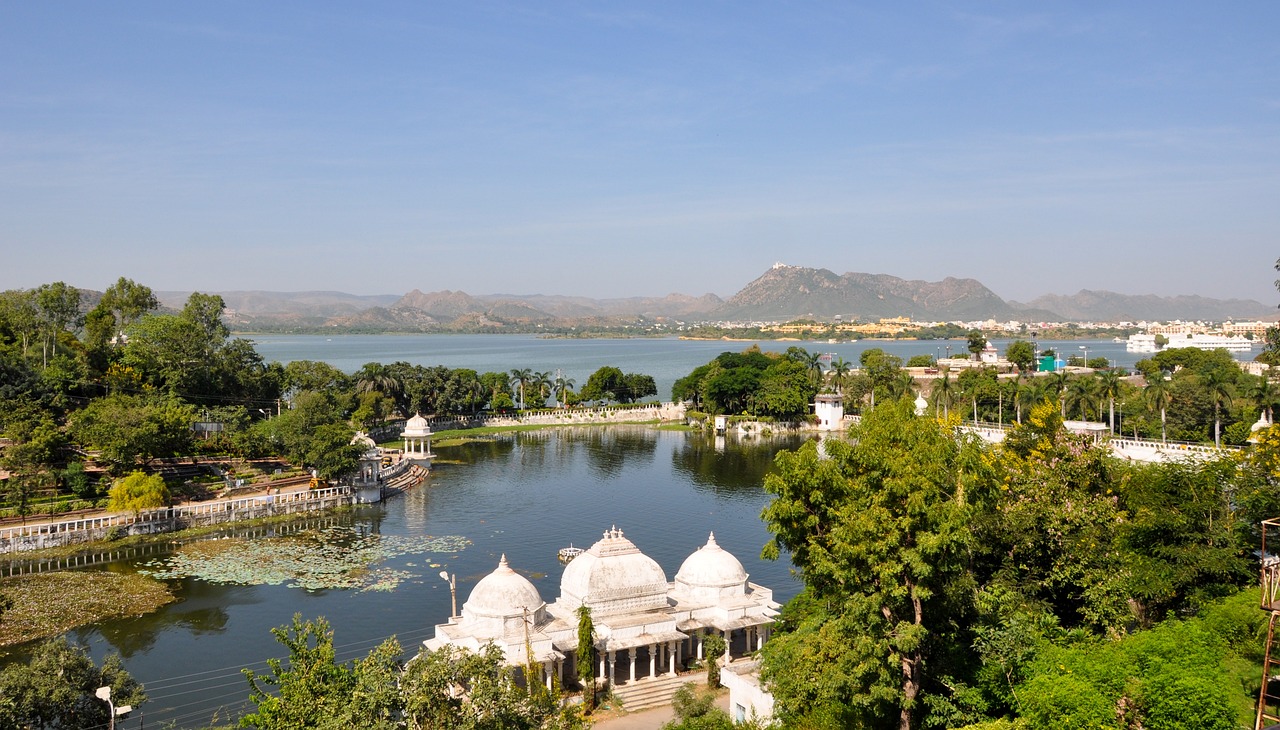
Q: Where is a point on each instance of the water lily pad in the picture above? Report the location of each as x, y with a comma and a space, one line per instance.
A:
335, 557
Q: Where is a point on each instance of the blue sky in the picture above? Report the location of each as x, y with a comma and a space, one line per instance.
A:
624, 149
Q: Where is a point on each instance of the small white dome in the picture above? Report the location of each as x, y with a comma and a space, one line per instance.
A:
612, 576
711, 566
416, 426
503, 593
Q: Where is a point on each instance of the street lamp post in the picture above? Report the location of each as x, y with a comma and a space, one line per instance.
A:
104, 694
1086, 354
452, 580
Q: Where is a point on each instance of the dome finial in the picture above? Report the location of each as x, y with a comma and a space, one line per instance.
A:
711, 539
502, 562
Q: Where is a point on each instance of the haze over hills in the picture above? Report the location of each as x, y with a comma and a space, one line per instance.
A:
779, 294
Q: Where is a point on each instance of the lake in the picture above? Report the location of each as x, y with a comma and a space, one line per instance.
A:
666, 359
526, 495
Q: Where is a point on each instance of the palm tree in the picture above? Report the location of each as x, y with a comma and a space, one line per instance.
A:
1079, 393
520, 378
542, 387
812, 362
1059, 381
1263, 392
1218, 386
562, 386
1109, 387
902, 386
944, 393
839, 370
1158, 395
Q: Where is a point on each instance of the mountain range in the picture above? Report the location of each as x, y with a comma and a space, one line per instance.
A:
779, 294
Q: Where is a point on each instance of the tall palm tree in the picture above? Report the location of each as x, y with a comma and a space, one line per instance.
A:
1059, 381
839, 370
944, 394
1265, 393
812, 362
520, 378
1109, 387
1079, 394
562, 386
542, 387
1218, 386
1158, 394
902, 386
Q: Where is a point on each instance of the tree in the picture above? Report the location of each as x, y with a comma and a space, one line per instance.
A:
696, 710
839, 371
586, 658
1109, 383
604, 384
1218, 385
137, 492
879, 533
59, 307
1021, 353
128, 428
562, 387
944, 394
921, 361
976, 343
55, 688
520, 378
310, 692
1264, 393
714, 647
1157, 394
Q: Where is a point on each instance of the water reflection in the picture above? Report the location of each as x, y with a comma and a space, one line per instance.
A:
204, 609
735, 467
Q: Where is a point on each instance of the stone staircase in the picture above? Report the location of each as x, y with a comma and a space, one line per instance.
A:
654, 692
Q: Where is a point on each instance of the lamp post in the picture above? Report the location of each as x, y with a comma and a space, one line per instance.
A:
1086, 354
452, 580
104, 694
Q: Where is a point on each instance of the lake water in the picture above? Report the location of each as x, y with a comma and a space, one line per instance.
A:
526, 495
666, 359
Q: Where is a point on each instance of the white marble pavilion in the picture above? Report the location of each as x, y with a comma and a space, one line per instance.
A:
644, 625
417, 439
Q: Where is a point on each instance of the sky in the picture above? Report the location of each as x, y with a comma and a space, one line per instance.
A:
607, 149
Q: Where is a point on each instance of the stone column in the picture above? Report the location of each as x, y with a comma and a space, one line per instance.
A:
728, 647
601, 673
760, 637
653, 654
631, 654
546, 672
671, 656
698, 639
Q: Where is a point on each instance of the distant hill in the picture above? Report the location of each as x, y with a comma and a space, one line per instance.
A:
792, 292
779, 294
1105, 306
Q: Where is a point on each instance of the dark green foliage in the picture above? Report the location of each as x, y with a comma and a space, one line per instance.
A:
753, 383
696, 710
714, 647
586, 658
55, 689
611, 384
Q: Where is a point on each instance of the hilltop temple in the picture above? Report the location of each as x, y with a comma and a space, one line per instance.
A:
644, 625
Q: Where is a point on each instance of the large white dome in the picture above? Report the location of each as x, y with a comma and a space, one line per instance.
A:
502, 597
416, 427
614, 576
711, 573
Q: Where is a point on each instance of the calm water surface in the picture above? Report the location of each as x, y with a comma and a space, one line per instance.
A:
526, 495
666, 359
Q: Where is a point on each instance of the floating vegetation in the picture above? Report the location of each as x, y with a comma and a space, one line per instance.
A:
49, 604
335, 557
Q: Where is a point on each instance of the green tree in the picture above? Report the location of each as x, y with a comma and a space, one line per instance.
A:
921, 361
128, 428
1157, 394
310, 691
1109, 387
879, 533
136, 492
1021, 353
696, 710
1218, 387
604, 384
586, 662
519, 379
55, 688
59, 307
714, 648
976, 343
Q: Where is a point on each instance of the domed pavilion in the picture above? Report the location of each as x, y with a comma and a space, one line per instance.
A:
645, 625
417, 439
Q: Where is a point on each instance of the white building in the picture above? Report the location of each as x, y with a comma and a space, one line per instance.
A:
644, 625
829, 409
